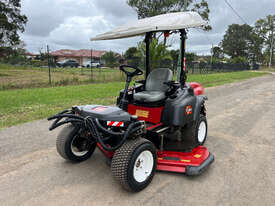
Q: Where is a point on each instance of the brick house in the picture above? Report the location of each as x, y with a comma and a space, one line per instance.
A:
82, 55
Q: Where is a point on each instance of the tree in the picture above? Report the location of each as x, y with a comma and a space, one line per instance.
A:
131, 56
111, 59
238, 60
217, 52
241, 41
159, 55
175, 56
265, 28
190, 56
11, 21
148, 8
255, 47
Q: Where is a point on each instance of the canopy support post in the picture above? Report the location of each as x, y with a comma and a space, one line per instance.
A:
147, 53
183, 77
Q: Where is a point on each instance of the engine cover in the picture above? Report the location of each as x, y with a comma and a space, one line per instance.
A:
104, 113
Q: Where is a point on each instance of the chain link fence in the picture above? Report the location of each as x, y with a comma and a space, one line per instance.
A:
206, 68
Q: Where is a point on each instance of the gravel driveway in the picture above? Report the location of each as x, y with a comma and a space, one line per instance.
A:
241, 120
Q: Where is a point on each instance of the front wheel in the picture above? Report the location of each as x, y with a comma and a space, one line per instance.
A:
201, 130
134, 164
196, 132
72, 144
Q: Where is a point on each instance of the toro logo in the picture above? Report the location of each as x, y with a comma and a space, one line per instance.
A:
188, 109
99, 109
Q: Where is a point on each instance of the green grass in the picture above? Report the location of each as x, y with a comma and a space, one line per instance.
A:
210, 80
23, 105
18, 77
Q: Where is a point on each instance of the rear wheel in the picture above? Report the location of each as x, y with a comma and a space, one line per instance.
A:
134, 164
73, 145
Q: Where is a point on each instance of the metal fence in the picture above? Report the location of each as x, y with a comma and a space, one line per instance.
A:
205, 68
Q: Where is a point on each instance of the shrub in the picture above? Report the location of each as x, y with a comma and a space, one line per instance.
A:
239, 59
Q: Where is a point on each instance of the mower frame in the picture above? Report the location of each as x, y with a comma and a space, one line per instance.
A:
135, 128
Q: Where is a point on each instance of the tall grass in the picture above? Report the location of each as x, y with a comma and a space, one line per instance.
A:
18, 77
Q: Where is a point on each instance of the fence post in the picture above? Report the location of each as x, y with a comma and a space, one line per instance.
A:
49, 66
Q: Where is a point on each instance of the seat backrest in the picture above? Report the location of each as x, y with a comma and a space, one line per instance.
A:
155, 79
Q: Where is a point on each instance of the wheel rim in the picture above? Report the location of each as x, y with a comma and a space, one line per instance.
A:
75, 150
143, 166
202, 131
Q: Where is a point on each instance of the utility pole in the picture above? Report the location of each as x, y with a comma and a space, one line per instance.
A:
91, 65
49, 66
212, 53
271, 49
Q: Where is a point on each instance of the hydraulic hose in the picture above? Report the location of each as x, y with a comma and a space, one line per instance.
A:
65, 115
92, 127
69, 120
107, 131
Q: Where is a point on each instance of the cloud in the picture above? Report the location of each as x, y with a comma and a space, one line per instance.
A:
46, 15
115, 8
78, 30
70, 23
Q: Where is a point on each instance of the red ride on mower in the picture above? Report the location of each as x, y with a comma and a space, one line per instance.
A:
159, 124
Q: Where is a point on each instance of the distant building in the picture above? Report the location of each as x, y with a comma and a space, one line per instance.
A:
81, 56
30, 55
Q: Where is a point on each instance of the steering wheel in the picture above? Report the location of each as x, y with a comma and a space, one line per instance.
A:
131, 74
173, 86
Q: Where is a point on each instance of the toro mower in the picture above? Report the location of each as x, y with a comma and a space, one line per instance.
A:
159, 124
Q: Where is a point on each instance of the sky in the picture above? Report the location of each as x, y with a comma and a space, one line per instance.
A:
69, 24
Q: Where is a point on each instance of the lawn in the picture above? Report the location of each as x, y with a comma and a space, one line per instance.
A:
23, 105
18, 77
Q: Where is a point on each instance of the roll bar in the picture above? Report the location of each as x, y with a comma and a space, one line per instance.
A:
183, 36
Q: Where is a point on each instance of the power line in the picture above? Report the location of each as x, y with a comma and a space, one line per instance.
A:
235, 11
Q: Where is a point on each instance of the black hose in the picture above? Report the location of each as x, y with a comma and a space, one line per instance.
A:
55, 116
107, 131
92, 127
64, 122
65, 115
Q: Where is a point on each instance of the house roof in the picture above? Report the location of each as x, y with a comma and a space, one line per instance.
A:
30, 54
77, 53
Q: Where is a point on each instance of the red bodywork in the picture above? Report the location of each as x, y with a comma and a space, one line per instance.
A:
167, 160
198, 89
106, 153
148, 114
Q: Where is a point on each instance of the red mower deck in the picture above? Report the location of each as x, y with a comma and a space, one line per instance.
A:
190, 163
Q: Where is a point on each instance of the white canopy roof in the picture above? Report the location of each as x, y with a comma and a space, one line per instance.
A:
170, 21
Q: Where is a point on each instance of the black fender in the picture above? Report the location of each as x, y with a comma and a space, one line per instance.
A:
198, 106
183, 109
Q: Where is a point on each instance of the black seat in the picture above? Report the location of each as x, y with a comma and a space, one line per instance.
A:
154, 87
